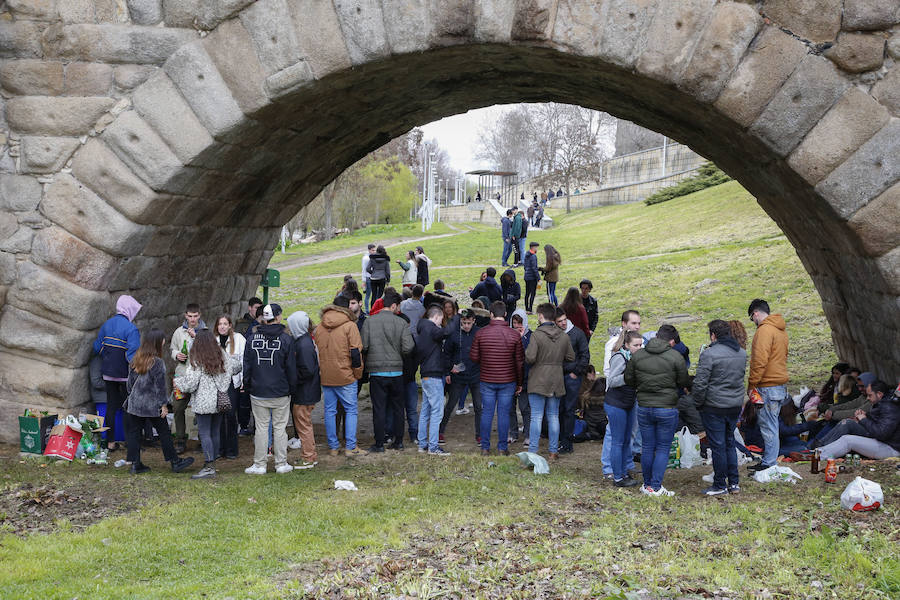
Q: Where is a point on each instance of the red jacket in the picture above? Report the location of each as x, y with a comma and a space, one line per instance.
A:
579, 319
497, 348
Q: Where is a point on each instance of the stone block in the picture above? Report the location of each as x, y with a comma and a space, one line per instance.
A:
799, 104
46, 154
75, 260
142, 149
58, 344
32, 382
55, 116
452, 22
814, 20
851, 121
671, 38
82, 213
145, 12
320, 36
9, 224
532, 19
893, 46
88, 79
19, 242
33, 10
192, 70
862, 15
116, 43
362, 24
7, 264
206, 14
887, 91
107, 11
129, 77
866, 174
889, 265
289, 80
20, 39
76, 11
493, 21
614, 30
721, 46
877, 224
19, 193
270, 26
234, 54
407, 25
857, 52
160, 103
98, 167
47, 295
32, 77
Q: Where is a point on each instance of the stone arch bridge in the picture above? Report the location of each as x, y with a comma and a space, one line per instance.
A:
155, 147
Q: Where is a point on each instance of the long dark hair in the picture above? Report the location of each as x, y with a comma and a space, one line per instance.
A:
206, 354
150, 349
571, 302
230, 331
552, 257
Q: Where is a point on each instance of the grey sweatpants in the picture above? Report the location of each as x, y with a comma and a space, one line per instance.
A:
864, 446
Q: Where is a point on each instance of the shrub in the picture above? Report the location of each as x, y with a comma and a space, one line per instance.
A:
707, 175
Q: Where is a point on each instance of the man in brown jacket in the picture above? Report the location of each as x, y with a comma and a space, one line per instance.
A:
340, 366
548, 349
768, 375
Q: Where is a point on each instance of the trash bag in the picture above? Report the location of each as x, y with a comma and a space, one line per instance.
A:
343, 484
539, 462
776, 473
862, 494
690, 449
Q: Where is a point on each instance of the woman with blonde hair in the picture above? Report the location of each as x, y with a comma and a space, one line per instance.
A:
233, 344
550, 270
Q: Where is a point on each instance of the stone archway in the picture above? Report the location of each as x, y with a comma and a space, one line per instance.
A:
162, 160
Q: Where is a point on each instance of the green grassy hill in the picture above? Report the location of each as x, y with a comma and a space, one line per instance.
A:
705, 256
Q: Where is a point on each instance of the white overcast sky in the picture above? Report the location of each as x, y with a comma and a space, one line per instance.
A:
458, 135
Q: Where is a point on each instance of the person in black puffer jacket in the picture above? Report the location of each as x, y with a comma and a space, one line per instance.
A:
429, 343
379, 270
875, 434
511, 291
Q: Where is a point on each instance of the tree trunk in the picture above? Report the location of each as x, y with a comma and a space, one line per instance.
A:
329, 204
568, 196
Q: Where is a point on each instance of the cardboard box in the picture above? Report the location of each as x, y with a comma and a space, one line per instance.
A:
63, 442
34, 430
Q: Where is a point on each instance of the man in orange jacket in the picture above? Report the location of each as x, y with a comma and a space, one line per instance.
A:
768, 375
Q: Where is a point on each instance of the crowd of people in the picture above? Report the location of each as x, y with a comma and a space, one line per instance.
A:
413, 337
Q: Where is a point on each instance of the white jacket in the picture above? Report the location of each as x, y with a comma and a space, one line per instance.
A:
239, 343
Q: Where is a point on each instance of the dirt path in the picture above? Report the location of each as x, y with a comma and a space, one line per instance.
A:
303, 261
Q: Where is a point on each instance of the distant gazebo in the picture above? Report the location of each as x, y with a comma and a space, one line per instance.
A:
492, 183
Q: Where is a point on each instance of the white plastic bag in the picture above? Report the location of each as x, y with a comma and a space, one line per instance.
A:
540, 463
343, 484
776, 473
862, 494
690, 448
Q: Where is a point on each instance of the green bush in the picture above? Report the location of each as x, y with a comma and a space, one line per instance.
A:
708, 175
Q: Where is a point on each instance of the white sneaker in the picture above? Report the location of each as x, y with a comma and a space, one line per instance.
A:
285, 468
254, 470
294, 443
664, 492
462, 411
649, 491
709, 478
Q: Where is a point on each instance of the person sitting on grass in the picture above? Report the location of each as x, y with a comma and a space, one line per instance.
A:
147, 400
826, 392
591, 398
789, 430
831, 414
874, 434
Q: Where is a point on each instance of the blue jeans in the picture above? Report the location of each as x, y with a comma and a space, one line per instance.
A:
432, 411
720, 434
367, 296
773, 398
462, 398
537, 403
621, 422
551, 292
346, 395
507, 250
606, 451
636, 441
496, 397
523, 246
411, 392
657, 430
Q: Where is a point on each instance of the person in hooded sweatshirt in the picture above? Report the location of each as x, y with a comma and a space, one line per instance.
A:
116, 343
511, 291
548, 349
461, 373
768, 375
487, 287
429, 340
309, 388
270, 374
379, 270
718, 392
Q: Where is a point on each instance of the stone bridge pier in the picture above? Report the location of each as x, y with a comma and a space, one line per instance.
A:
155, 147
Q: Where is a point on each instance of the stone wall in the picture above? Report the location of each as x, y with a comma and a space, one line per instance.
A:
155, 147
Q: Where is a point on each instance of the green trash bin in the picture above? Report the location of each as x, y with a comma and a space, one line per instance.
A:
34, 431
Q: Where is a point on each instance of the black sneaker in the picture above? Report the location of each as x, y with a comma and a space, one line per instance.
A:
245, 431
180, 447
734, 489
138, 468
180, 464
376, 448
626, 482
757, 467
396, 446
438, 452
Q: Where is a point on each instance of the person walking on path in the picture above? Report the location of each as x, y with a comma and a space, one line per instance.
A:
379, 270
208, 374
428, 344
497, 348
117, 342
619, 403
657, 372
574, 372
340, 367
386, 339
270, 374
548, 349
550, 270
423, 264
768, 375
505, 226
309, 388
718, 392
147, 400
531, 275
180, 348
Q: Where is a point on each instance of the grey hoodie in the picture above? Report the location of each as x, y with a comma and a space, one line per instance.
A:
719, 383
